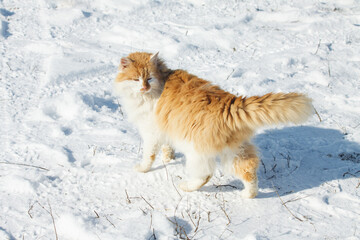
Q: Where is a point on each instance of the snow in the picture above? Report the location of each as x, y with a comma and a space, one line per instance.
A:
67, 150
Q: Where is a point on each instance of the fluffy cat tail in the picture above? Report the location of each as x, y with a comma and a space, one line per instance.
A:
272, 108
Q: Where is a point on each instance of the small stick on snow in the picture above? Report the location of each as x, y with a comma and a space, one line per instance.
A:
31, 207
94, 152
227, 216
109, 221
167, 174
97, 215
52, 217
230, 74
282, 202
197, 224
295, 199
263, 165
191, 219
121, 112
175, 187
225, 185
147, 202
26, 165
316, 112
318, 46
127, 197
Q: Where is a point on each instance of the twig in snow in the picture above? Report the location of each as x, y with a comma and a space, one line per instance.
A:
295, 199
225, 185
282, 202
349, 174
209, 216
167, 174
9, 66
316, 112
224, 232
52, 217
263, 165
121, 112
273, 168
26, 165
191, 219
287, 159
329, 71
147, 202
153, 236
230, 74
175, 187
94, 152
127, 197
227, 216
31, 207
97, 215
109, 221
197, 224
318, 46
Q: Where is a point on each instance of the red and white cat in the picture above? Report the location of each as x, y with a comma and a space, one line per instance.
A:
177, 109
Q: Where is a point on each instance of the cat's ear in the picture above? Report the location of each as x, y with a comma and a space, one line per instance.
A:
125, 62
154, 58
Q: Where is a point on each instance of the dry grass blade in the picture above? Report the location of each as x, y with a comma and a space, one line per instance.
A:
127, 197
167, 173
52, 217
109, 221
225, 185
191, 219
175, 187
282, 202
318, 46
147, 202
227, 216
97, 215
26, 165
316, 112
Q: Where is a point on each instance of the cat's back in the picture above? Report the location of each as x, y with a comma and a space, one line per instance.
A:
190, 107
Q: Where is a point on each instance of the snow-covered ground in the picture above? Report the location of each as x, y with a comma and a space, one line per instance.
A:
67, 152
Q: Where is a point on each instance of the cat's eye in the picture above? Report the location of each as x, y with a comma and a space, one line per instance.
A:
149, 79
136, 79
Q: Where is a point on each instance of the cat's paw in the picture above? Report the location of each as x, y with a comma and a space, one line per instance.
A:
249, 193
141, 168
185, 186
193, 184
166, 159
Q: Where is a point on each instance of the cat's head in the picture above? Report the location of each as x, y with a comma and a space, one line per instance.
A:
142, 73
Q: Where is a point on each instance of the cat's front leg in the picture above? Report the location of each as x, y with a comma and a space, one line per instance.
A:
167, 153
151, 147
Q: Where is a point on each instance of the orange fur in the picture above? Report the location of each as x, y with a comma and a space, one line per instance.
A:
193, 111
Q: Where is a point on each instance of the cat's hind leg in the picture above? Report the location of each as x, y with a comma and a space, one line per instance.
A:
244, 163
200, 169
167, 153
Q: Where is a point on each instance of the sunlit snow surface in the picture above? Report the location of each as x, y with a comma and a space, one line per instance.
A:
67, 151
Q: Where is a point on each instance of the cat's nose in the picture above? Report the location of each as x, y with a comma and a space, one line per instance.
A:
145, 88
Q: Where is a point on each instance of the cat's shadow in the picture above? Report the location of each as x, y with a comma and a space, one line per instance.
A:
295, 159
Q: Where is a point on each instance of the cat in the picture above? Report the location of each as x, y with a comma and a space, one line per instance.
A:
175, 109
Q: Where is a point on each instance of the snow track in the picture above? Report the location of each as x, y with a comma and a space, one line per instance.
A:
67, 151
